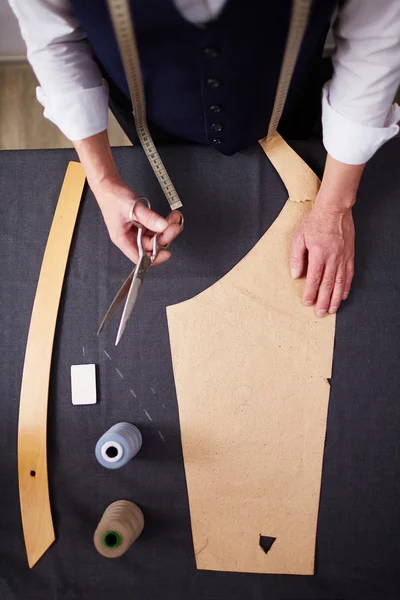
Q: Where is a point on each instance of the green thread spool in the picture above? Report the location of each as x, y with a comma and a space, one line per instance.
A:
119, 527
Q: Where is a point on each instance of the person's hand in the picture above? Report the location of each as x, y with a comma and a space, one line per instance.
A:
115, 200
324, 246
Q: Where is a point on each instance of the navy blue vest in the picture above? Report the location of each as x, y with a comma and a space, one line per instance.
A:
215, 84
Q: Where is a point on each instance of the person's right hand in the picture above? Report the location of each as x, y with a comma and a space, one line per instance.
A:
115, 201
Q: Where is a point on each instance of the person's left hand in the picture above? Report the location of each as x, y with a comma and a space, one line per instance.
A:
326, 237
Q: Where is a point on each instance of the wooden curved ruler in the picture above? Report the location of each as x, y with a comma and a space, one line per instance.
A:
251, 365
32, 459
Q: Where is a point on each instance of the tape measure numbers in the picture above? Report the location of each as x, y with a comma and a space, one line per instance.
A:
123, 25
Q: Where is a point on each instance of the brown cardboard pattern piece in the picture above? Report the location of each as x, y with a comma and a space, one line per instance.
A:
251, 365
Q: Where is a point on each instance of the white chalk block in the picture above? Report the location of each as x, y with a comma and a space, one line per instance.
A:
83, 384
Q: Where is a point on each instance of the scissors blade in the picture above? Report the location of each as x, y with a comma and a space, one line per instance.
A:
118, 300
141, 268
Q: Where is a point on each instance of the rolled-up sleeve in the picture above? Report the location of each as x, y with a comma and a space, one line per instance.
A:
358, 113
71, 90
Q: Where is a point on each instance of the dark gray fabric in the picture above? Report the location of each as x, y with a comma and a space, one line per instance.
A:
229, 203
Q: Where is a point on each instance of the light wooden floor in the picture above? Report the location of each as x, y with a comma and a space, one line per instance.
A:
22, 125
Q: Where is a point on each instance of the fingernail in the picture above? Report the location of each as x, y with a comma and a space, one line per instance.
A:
345, 296
333, 309
294, 273
321, 312
308, 303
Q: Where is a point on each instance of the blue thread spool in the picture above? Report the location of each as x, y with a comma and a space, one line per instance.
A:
118, 445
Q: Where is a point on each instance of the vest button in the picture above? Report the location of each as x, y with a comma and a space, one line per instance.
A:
215, 108
216, 141
210, 52
215, 83
217, 127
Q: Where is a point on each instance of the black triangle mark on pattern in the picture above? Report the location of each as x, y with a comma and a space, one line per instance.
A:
266, 542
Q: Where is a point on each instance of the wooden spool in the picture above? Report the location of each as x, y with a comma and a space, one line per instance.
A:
121, 524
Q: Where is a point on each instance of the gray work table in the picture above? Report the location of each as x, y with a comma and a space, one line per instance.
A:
229, 204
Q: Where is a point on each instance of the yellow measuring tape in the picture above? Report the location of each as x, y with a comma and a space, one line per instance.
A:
297, 27
124, 31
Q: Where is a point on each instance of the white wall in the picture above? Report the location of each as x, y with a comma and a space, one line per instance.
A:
11, 42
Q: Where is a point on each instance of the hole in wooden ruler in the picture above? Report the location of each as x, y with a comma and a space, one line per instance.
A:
33, 473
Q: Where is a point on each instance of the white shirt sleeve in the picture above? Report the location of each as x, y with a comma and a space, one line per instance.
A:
71, 90
358, 114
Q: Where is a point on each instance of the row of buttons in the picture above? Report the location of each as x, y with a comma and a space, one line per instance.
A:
212, 82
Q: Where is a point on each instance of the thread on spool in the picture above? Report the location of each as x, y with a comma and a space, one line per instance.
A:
111, 539
118, 445
119, 527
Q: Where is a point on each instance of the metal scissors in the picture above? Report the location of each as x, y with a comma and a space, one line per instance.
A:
131, 287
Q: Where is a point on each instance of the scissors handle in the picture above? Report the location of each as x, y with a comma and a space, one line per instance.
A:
130, 289
143, 200
156, 247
